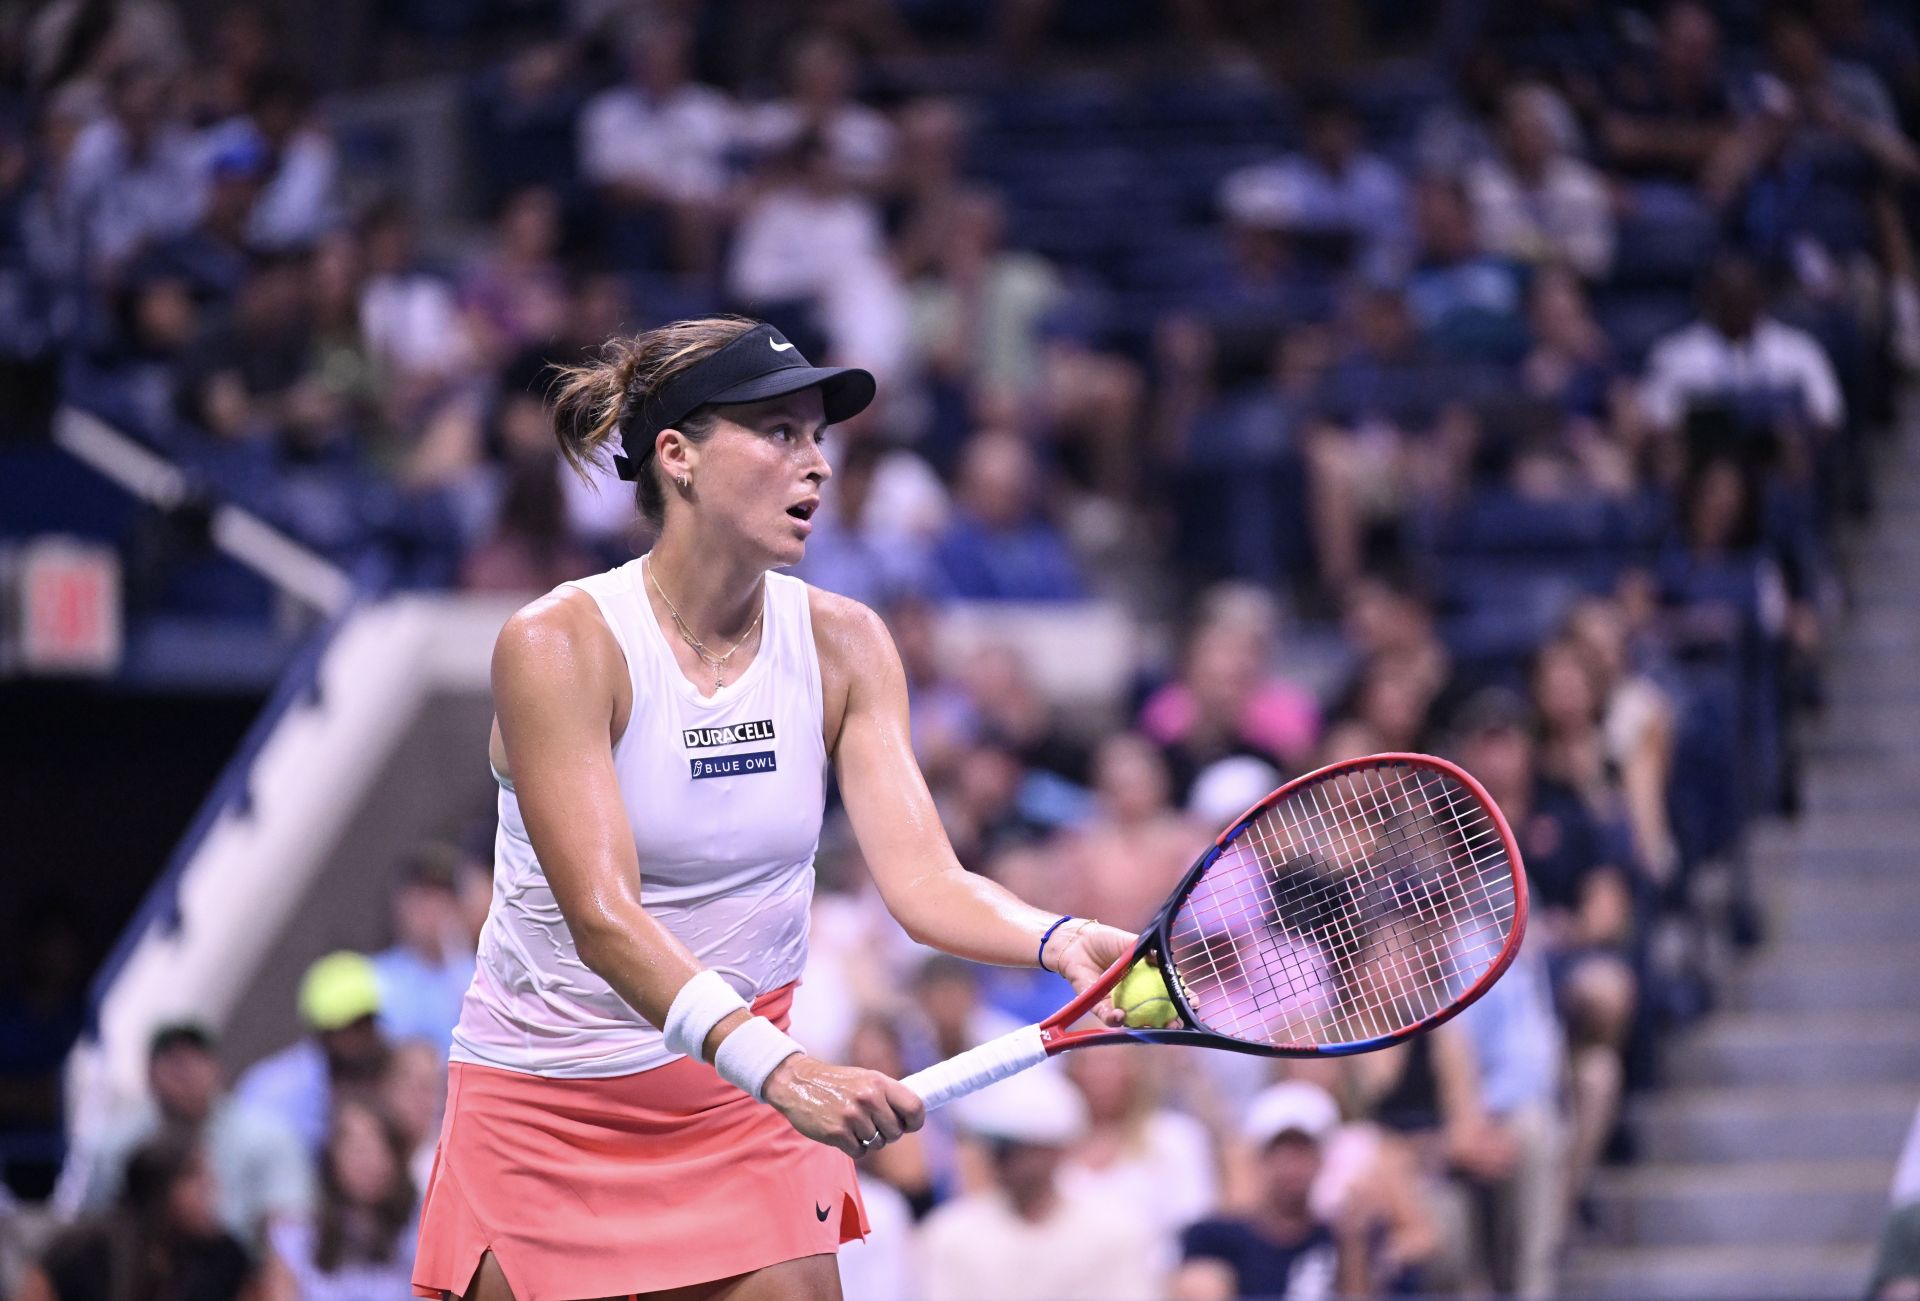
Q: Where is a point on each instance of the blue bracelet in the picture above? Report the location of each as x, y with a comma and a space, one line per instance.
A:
1040, 958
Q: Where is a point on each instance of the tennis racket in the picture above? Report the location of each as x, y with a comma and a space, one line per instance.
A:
1347, 911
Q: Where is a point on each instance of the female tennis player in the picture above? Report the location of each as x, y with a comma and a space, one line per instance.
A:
625, 1112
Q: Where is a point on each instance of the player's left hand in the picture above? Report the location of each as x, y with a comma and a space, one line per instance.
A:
1083, 953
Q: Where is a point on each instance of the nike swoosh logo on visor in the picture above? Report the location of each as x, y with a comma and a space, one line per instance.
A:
779, 347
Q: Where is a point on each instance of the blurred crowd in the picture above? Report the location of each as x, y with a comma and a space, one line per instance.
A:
1497, 389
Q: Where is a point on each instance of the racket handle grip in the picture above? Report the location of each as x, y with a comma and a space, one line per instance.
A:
976, 1068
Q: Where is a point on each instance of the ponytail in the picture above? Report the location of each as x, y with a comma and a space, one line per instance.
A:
593, 402
589, 400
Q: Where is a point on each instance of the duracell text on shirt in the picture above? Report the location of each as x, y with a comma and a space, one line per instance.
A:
705, 738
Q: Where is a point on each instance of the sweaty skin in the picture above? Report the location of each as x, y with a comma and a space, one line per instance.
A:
563, 698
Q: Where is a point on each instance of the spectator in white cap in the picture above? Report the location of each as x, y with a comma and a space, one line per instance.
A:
1227, 788
1281, 1246
1048, 1243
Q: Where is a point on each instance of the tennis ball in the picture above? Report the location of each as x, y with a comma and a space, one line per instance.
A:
1142, 995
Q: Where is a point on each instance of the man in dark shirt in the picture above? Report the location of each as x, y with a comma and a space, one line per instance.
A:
1281, 1248
1671, 115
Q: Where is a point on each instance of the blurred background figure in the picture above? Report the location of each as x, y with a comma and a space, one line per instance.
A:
1138, 1151
1281, 1247
359, 1240
424, 975
1585, 903
340, 1056
656, 148
162, 1236
1534, 201
1054, 1240
261, 1174
998, 546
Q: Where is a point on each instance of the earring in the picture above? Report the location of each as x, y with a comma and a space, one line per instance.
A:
686, 482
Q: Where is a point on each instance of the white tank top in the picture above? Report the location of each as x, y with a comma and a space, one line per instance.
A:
724, 795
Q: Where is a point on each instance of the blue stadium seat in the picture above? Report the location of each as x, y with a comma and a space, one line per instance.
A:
1636, 319
1664, 239
1499, 522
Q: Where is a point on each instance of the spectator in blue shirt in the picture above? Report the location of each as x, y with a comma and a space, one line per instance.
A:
424, 975
853, 552
1341, 195
1281, 1248
998, 548
1517, 1049
1468, 304
343, 1051
136, 175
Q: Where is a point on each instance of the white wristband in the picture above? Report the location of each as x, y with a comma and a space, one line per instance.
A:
701, 1004
747, 1056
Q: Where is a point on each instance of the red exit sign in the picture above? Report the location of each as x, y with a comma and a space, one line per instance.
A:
69, 594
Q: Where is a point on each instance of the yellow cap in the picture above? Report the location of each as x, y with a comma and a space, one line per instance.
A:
338, 990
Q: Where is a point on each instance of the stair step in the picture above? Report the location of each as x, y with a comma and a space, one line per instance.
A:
1878, 632
1846, 662
1895, 726
1896, 499
1827, 792
1877, 590
1844, 844
1818, 830
1863, 573
1875, 677
1893, 864
1808, 1203
1759, 1272
1841, 908
1814, 892
1765, 1162
1887, 550
1781, 991
1888, 959
1771, 1123
1886, 774
1816, 749
1782, 1048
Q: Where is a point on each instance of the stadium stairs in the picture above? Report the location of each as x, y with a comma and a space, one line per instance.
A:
1765, 1162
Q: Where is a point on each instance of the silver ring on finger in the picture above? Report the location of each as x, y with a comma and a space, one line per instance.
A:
870, 1140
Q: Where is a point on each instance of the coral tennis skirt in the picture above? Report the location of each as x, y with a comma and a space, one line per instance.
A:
605, 1187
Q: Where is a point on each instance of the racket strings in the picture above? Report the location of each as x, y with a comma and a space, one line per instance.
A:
1359, 905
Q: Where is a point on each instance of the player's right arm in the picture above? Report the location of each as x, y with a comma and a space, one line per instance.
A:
561, 691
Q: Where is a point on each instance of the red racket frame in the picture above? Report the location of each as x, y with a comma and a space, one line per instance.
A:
1155, 939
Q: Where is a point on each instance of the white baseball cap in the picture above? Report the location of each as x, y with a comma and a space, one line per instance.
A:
1036, 1107
1264, 196
1228, 787
1293, 1106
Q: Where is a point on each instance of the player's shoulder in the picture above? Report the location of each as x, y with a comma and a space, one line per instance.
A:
565, 622
843, 626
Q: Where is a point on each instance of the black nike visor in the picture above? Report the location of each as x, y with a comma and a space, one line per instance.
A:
760, 364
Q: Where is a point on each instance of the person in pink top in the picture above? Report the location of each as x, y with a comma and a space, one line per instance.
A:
1226, 699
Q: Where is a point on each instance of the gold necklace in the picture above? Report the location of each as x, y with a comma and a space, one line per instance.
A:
717, 663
